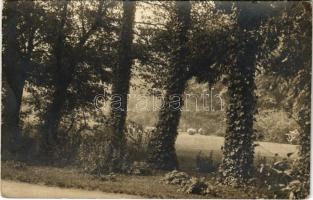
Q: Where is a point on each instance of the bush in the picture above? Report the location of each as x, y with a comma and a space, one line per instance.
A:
275, 126
276, 175
189, 184
97, 156
176, 178
65, 152
140, 168
137, 141
299, 186
196, 186
205, 164
281, 178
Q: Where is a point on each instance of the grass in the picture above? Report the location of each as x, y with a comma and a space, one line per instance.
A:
196, 143
188, 146
144, 186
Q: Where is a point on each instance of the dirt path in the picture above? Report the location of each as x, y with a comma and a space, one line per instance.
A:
26, 190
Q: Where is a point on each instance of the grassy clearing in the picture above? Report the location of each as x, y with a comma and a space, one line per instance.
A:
188, 146
196, 143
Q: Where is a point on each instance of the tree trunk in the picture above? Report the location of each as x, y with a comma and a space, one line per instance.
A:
54, 114
161, 148
120, 84
238, 148
302, 167
15, 78
64, 76
11, 134
62, 80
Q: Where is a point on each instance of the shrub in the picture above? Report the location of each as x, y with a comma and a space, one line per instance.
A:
137, 140
195, 186
294, 189
73, 126
205, 164
299, 186
280, 178
176, 178
188, 184
96, 155
68, 146
275, 126
140, 168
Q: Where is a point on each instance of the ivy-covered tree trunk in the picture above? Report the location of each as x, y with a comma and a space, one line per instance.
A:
304, 116
161, 148
14, 75
302, 167
120, 84
304, 151
238, 148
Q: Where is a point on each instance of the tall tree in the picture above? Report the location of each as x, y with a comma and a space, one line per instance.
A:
161, 147
287, 56
21, 25
238, 149
14, 75
62, 81
67, 57
159, 37
121, 81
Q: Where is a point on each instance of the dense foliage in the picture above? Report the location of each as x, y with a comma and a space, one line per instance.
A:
290, 65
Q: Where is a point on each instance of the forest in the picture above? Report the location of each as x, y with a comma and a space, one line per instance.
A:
159, 99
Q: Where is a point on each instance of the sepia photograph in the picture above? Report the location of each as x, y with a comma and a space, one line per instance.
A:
156, 99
